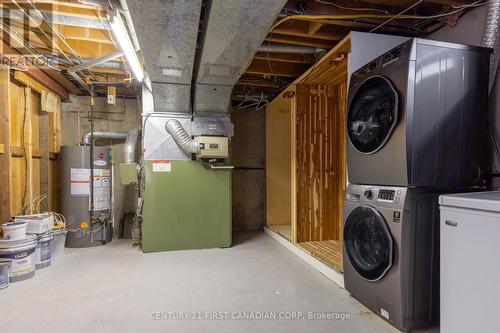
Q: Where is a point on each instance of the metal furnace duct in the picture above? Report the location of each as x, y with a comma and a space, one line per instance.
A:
167, 31
234, 32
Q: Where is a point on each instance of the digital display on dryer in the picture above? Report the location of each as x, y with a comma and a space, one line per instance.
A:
386, 195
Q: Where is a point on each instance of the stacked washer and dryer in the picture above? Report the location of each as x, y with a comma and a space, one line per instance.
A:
416, 126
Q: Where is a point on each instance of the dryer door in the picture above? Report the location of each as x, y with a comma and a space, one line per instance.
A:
368, 243
373, 114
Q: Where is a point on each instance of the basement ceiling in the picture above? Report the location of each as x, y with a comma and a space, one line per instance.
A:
77, 31
318, 25
67, 33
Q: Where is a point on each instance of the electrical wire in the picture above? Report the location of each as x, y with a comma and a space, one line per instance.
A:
399, 16
418, 2
331, 3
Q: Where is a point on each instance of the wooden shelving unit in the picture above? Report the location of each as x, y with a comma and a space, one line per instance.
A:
306, 158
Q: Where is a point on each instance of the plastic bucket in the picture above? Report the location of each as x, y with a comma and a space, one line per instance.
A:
58, 242
4, 273
43, 251
21, 252
14, 230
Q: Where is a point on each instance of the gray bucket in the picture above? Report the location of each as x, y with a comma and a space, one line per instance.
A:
4, 273
21, 252
57, 246
43, 251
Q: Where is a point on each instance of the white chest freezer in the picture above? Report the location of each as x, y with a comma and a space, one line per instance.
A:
470, 262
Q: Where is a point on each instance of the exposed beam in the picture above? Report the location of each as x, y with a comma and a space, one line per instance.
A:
88, 49
278, 69
365, 25
285, 57
299, 41
39, 75
313, 27
254, 83
66, 3
85, 34
297, 32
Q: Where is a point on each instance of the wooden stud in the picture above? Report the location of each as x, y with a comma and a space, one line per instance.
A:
45, 160
5, 212
28, 146
313, 27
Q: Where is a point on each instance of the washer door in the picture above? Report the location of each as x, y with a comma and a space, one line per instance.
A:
373, 113
368, 243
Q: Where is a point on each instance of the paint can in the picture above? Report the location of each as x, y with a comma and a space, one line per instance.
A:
43, 250
21, 252
4, 273
58, 243
14, 230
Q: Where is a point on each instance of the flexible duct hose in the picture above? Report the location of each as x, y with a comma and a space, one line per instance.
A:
490, 35
183, 140
130, 143
490, 39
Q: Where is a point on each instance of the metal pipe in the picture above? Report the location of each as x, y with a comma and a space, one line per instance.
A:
88, 140
131, 137
490, 39
181, 137
108, 64
130, 143
95, 62
91, 159
491, 36
283, 48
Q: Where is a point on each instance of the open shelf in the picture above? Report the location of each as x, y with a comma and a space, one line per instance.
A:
329, 252
306, 159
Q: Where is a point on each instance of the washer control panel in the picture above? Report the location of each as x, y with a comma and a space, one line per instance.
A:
386, 195
375, 195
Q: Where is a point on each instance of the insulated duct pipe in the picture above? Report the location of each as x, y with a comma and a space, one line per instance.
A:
491, 35
130, 143
181, 137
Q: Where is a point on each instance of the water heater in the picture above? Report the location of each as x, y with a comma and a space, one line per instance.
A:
76, 193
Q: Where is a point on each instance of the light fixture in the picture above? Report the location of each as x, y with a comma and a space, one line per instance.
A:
121, 35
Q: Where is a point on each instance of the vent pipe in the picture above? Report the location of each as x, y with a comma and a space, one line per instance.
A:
130, 143
491, 35
282, 48
87, 138
131, 137
181, 137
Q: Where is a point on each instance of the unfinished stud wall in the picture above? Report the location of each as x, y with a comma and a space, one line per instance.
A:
321, 174
121, 117
29, 145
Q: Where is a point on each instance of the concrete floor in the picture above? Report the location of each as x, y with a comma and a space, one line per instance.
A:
117, 288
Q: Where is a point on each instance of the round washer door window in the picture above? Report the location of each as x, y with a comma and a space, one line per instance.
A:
373, 113
368, 243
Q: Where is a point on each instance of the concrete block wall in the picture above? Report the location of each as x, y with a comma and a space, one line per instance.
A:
123, 116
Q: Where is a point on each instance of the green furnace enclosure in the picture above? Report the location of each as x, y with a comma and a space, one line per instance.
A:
186, 206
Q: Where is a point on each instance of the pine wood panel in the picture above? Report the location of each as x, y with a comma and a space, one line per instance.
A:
280, 150
321, 163
35, 138
330, 252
